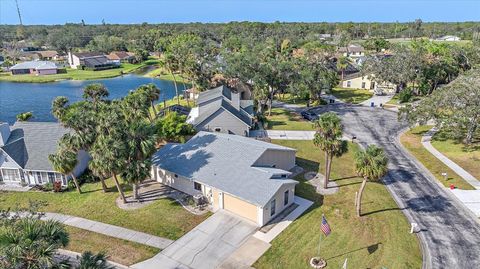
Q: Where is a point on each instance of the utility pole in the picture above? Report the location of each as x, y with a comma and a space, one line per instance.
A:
19, 15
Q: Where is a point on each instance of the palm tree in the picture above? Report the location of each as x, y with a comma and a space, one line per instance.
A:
95, 92
108, 157
171, 64
372, 165
58, 107
88, 260
64, 161
31, 243
141, 139
153, 93
328, 137
342, 64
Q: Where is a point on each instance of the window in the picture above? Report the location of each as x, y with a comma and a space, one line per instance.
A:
11, 175
283, 176
272, 207
218, 129
285, 198
363, 85
51, 177
349, 84
197, 186
176, 176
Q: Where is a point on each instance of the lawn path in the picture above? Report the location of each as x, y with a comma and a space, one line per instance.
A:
110, 230
427, 138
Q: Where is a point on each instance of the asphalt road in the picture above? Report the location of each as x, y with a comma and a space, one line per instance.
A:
449, 233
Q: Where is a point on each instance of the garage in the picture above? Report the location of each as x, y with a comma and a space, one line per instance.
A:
239, 207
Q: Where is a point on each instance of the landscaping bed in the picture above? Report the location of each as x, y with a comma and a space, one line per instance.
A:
378, 239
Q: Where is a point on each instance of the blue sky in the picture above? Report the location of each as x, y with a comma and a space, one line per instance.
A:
160, 11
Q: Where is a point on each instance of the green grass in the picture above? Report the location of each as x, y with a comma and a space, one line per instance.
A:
161, 73
282, 119
354, 96
76, 74
380, 238
411, 140
118, 250
164, 217
467, 157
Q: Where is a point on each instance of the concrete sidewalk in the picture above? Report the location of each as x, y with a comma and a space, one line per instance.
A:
427, 138
470, 198
110, 230
377, 100
283, 135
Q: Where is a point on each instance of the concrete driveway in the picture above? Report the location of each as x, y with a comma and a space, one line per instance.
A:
204, 247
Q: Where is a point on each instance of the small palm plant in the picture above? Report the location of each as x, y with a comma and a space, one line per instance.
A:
328, 137
64, 161
372, 165
88, 260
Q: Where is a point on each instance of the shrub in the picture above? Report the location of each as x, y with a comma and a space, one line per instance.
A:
405, 95
47, 187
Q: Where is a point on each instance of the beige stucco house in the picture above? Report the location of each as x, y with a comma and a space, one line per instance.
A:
245, 176
359, 81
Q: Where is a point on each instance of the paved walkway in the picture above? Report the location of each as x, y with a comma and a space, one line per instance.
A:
283, 135
110, 230
470, 198
444, 159
14, 187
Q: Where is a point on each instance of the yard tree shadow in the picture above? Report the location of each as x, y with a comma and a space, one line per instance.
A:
371, 249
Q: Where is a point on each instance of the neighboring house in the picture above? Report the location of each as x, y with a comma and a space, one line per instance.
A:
48, 55
121, 57
245, 176
90, 60
358, 81
24, 151
352, 51
448, 38
223, 110
35, 68
191, 93
325, 36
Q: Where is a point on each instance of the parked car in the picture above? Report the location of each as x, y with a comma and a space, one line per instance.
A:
308, 115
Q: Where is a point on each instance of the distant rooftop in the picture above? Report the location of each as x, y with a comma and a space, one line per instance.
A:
38, 65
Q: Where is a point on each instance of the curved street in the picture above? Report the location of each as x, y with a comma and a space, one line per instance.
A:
449, 233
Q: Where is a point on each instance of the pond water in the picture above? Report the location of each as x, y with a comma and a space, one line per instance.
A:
17, 98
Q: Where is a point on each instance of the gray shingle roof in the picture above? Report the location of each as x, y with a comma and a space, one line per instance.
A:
35, 65
224, 162
212, 94
30, 143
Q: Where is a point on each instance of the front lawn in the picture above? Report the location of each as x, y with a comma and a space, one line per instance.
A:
282, 119
467, 157
118, 250
165, 217
354, 96
378, 239
411, 140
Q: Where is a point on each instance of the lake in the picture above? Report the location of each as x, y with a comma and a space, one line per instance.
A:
17, 98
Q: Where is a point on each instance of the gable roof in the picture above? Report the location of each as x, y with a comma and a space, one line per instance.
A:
218, 92
209, 109
225, 162
38, 65
119, 55
30, 143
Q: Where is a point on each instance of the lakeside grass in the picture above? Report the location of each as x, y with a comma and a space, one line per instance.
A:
380, 238
161, 73
468, 157
165, 217
76, 74
282, 119
411, 140
117, 250
354, 96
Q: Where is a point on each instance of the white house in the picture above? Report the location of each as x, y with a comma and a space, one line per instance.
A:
90, 60
448, 38
242, 175
24, 150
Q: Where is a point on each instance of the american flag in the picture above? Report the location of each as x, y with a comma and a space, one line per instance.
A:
325, 227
